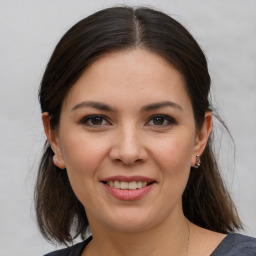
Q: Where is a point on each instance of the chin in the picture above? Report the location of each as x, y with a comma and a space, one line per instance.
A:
131, 221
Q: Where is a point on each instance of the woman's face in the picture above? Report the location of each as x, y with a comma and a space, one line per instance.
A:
127, 138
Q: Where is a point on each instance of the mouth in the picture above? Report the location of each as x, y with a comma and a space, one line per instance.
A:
124, 185
128, 188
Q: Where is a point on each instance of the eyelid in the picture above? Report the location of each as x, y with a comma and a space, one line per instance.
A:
84, 121
171, 120
89, 117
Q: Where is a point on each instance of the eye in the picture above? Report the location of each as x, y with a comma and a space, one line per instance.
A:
94, 120
161, 120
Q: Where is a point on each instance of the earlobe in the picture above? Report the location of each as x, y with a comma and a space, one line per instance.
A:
53, 140
58, 162
202, 137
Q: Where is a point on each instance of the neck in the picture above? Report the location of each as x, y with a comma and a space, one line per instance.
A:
169, 238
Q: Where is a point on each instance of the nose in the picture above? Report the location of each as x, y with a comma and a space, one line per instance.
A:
128, 147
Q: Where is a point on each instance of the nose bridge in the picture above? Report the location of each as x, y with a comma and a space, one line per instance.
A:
128, 147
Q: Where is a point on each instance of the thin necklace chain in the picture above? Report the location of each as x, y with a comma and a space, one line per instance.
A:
188, 239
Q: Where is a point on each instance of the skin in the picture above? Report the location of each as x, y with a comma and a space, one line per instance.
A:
129, 141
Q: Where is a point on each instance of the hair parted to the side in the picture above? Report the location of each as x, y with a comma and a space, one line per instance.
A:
206, 202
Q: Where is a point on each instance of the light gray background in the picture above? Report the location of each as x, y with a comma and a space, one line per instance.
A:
226, 30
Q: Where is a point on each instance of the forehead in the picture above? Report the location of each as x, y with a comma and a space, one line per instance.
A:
131, 76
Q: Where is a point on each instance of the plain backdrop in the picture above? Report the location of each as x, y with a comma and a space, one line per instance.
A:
226, 30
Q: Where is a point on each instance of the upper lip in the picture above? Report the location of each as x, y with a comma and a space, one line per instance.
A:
128, 178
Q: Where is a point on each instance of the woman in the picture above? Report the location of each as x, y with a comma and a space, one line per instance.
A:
125, 109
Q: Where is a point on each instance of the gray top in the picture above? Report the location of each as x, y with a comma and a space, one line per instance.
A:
235, 244
232, 245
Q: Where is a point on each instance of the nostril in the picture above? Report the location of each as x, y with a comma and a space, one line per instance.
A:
128, 152
127, 161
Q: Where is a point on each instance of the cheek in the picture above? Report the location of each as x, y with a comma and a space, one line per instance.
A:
174, 160
82, 156
175, 153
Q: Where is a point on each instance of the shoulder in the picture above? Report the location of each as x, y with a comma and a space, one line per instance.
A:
75, 250
236, 244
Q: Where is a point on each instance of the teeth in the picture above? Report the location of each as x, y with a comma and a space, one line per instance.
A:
124, 185
115, 184
132, 185
139, 184
127, 185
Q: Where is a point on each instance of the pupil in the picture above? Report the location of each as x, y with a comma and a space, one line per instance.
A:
158, 120
97, 120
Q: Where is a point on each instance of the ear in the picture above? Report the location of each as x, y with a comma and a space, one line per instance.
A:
202, 137
53, 139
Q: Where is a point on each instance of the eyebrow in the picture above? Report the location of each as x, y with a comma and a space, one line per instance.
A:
158, 105
105, 107
93, 104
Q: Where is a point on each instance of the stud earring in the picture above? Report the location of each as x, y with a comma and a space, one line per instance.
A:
198, 161
58, 161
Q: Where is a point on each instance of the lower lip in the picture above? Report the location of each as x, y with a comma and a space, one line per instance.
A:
127, 194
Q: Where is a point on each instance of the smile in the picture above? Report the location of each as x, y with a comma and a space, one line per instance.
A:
127, 185
128, 188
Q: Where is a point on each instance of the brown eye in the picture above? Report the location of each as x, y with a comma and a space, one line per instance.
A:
94, 121
158, 120
161, 120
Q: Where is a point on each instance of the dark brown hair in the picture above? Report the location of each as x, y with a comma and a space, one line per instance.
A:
206, 202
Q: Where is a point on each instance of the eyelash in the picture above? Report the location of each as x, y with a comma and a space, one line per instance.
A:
88, 120
170, 120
